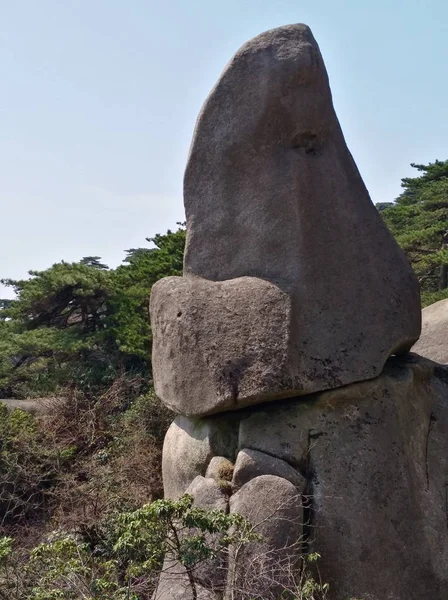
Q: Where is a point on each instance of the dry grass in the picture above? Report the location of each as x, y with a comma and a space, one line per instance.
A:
85, 458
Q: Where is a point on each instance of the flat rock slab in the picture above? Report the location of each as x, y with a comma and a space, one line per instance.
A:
433, 342
35, 406
292, 283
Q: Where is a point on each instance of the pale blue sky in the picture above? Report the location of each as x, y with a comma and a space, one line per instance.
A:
98, 100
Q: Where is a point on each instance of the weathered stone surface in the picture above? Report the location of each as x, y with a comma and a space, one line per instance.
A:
35, 406
186, 453
433, 342
189, 446
292, 282
273, 506
220, 469
252, 463
233, 333
376, 457
379, 493
207, 495
174, 585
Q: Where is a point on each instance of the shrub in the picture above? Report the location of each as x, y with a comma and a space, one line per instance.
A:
126, 561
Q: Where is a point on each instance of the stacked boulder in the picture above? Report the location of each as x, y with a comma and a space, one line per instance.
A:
274, 349
433, 342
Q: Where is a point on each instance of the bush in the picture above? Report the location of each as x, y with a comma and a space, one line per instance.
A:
29, 465
88, 456
127, 559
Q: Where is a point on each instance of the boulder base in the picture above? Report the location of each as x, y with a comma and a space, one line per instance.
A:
373, 458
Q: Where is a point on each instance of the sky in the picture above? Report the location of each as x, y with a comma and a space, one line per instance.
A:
98, 100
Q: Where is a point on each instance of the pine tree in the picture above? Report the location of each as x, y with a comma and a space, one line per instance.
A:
419, 221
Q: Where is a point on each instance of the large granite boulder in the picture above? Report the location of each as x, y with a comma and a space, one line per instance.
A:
373, 458
257, 570
433, 342
292, 282
294, 298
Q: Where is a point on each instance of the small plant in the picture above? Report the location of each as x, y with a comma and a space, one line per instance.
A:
177, 532
308, 587
126, 562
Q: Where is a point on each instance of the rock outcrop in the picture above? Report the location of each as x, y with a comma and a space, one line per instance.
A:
292, 283
433, 342
284, 349
370, 486
274, 505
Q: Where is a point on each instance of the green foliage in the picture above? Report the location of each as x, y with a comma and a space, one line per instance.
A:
5, 548
129, 321
147, 413
127, 559
311, 588
419, 222
82, 323
84, 459
31, 461
175, 531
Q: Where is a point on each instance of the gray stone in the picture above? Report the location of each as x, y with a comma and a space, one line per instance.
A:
174, 585
292, 282
433, 342
252, 463
207, 495
189, 446
273, 506
375, 458
34, 406
233, 333
283, 430
220, 469
375, 455
186, 453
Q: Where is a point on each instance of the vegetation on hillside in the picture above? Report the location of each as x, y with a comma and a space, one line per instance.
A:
78, 334
419, 221
83, 324
127, 557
